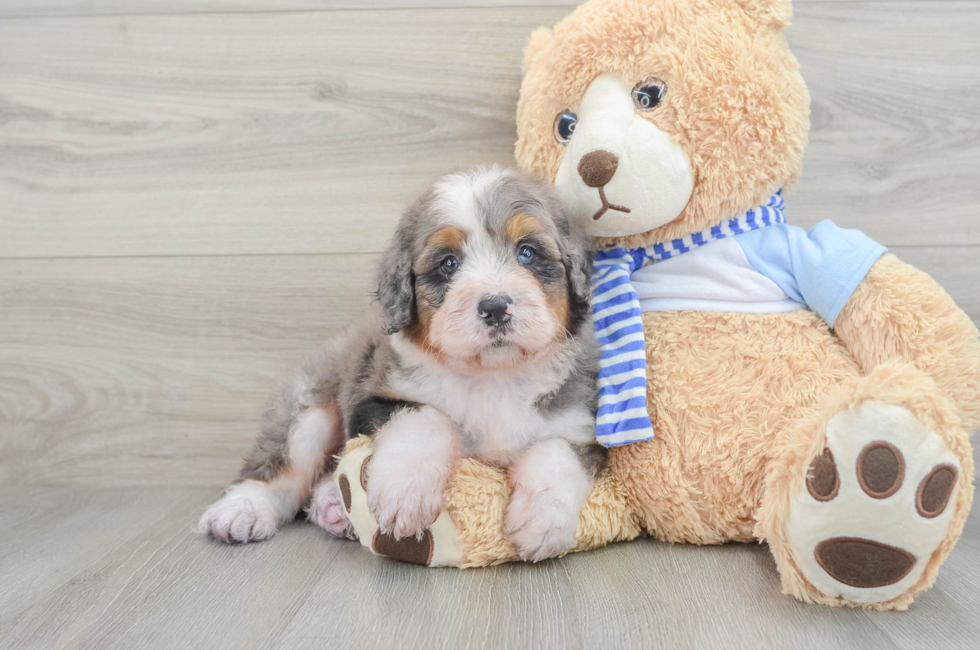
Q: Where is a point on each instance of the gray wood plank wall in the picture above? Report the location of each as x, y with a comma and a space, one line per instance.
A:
189, 201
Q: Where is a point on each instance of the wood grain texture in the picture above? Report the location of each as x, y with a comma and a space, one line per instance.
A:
156, 584
179, 135
191, 140
70, 8
155, 371
50, 538
895, 140
62, 8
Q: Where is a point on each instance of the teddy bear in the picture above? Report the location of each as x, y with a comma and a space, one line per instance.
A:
759, 382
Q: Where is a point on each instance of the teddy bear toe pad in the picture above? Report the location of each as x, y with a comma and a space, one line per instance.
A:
876, 504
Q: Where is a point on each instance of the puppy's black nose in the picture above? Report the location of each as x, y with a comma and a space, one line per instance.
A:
493, 310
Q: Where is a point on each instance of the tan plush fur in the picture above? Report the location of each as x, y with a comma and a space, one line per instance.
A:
477, 496
701, 479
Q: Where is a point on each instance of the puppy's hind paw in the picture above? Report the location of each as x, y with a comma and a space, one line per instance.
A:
328, 510
241, 516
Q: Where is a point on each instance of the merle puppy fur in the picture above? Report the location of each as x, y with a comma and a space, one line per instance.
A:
480, 345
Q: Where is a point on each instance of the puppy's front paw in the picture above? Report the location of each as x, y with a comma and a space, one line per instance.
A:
540, 525
239, 517
405, 495
548, 488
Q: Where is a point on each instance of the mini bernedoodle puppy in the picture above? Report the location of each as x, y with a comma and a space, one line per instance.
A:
480, 345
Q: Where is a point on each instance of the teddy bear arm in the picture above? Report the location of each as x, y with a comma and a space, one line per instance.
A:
900, 312
469, 531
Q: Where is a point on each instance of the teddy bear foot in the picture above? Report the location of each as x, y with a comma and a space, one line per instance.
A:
436, 545
876, 505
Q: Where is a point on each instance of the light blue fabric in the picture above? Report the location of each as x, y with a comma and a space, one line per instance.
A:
820, 268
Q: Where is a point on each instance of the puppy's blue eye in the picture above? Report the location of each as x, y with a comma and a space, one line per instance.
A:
449, 265
526, 255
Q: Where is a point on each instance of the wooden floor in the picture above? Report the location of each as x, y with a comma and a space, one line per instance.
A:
194, 192
120, 568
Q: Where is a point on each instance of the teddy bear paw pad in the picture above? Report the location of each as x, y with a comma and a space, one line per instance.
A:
876, 503
416, 550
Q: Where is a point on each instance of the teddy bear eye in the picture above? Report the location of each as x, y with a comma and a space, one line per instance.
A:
565, 126
649, 93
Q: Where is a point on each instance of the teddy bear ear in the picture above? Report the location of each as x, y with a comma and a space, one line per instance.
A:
775, 13
539, 39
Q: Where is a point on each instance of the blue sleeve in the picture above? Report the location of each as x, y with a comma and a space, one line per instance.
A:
820, 268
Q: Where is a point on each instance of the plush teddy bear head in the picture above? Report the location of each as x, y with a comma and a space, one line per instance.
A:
659, 118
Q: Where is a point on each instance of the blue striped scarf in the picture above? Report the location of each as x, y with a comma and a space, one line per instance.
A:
623, 417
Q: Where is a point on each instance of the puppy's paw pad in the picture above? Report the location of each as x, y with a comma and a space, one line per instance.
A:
540, 526
329, 507
876, 504
240, 519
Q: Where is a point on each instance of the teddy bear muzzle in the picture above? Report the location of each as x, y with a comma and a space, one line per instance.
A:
597, 168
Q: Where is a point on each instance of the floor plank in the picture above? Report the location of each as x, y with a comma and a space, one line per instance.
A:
163, 365
176, 135
51, 538
155, 584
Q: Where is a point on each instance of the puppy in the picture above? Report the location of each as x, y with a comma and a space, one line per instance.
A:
480, 345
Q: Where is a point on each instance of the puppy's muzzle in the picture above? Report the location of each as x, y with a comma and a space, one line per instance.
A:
495, 310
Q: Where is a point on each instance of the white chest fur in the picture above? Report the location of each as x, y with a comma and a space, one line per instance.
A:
494, 412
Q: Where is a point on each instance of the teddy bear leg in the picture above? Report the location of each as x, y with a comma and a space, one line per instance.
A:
899, 312
469, 531
869, 493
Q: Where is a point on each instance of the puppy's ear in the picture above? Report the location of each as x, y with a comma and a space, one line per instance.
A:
578, 269
396, 286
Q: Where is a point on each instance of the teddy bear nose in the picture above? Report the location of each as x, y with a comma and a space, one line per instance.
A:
597, 167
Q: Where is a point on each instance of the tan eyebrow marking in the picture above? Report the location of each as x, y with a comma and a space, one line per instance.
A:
520, 226
448, 236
